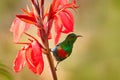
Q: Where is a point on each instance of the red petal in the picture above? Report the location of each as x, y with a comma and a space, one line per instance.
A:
18, 28
50, 36
19, 62
27, 12
27, 19
57, 37
63, 2
34, 58
58, 28
67, 20
58, 3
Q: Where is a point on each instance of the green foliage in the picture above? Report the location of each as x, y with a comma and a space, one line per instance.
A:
5, 73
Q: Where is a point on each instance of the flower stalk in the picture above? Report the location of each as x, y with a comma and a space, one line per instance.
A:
50, 60
51, 63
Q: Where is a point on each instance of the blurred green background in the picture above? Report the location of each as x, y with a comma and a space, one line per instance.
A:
96, 56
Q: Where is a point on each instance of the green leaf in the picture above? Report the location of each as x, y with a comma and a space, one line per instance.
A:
5, 73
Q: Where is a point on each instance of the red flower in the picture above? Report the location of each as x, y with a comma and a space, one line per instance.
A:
31, 54
58, 17
62, 17
23, 22
18, 28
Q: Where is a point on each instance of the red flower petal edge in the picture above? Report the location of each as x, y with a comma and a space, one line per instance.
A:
18, 28
31, 54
